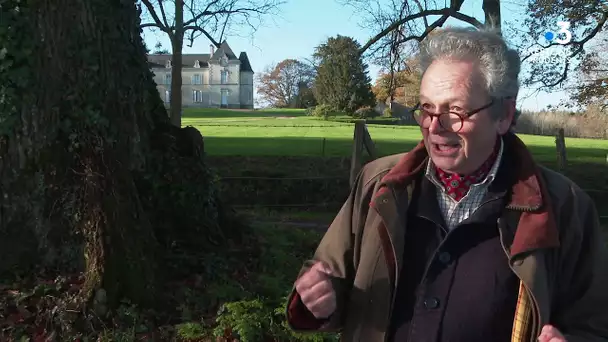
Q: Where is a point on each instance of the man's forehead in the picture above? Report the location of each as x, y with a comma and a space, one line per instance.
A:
441, 85
442, 97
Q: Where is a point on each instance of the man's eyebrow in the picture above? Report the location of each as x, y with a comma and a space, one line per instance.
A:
452, 100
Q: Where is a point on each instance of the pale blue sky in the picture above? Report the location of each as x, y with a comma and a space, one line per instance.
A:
304, 24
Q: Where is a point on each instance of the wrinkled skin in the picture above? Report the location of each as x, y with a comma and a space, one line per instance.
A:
316, 290
458, 86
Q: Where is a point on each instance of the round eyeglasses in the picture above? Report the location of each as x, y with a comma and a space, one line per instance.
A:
450, 121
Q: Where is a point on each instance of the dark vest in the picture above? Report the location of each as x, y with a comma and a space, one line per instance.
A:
455, 285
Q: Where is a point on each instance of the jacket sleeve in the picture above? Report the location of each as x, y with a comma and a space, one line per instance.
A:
337, 250
582, 298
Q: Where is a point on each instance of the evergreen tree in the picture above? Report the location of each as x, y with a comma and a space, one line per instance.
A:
342, 81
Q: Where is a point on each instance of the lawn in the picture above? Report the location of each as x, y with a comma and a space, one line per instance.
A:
292, 133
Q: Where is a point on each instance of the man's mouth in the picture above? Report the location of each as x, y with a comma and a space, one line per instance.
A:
446, 148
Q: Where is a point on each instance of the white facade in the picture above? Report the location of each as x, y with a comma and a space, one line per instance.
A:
217, 79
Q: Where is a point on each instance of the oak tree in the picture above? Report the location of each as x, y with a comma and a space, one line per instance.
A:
286, 84
93, 177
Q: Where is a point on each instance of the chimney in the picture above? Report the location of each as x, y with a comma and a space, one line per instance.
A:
212, 49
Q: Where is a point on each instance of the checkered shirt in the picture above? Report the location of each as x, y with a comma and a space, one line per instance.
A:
454, 211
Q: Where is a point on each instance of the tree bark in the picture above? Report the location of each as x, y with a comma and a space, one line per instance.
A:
177, 43
491, 9
78, 107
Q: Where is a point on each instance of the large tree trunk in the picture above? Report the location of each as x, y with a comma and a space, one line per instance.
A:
78, 115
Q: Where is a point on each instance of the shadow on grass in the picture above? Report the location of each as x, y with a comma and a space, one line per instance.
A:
315, 157
211, 113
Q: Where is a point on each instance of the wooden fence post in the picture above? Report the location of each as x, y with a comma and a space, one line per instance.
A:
323, 148
370, 147
356, 159
560, 145
361, 139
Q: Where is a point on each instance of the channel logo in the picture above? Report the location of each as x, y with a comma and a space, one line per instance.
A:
563, 36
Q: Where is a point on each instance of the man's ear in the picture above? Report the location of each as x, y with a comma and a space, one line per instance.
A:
504, 124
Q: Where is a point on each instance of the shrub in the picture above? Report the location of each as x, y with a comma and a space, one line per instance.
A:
262, 320
387, 113
310, 111
365, 113
322, 111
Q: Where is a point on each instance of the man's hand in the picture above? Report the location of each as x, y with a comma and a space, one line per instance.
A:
316, 290
551, 334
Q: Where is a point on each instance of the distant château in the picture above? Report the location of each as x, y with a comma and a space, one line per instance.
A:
215, 79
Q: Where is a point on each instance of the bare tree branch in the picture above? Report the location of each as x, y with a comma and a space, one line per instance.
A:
445, 13
194, 29
195, 18
158, 23
577, 44
570, 66
162, 12
149, 25
420, 8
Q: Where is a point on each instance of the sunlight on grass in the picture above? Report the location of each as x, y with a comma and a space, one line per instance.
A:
288, 132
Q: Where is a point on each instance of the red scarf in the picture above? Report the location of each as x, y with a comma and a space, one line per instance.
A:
457, 186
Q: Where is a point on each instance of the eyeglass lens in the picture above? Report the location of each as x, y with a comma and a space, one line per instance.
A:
448, 121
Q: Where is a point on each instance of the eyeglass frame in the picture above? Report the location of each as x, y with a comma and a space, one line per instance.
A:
465, 115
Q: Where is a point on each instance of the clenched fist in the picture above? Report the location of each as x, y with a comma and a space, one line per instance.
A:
316, 290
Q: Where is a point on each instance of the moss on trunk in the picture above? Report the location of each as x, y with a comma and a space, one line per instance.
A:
85, 184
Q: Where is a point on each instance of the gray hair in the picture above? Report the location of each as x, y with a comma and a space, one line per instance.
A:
499, 65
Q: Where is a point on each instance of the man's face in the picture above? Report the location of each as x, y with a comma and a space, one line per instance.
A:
457, 86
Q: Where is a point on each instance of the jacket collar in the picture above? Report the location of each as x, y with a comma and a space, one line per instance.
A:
529, 194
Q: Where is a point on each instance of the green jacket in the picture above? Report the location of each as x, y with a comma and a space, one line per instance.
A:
557, 252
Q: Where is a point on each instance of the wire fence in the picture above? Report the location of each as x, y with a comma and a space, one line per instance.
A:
392, 126
375, 124
316, 205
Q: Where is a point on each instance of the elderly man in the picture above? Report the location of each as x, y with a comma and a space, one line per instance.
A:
464, 238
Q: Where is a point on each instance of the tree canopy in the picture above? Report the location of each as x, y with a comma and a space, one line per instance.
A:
575, 66
286, 84
342, 81
401, 86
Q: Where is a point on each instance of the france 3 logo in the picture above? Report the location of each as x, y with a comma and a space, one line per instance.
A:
563, 36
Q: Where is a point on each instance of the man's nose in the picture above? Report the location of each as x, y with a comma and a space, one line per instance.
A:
435, 126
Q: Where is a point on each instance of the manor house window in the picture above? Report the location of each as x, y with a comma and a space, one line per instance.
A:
197, 79
197, 96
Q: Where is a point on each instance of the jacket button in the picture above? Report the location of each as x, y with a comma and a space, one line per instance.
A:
445, 257
518, 262
385, 201
431, 303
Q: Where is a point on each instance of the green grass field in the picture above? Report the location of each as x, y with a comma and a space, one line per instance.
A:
291, 133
